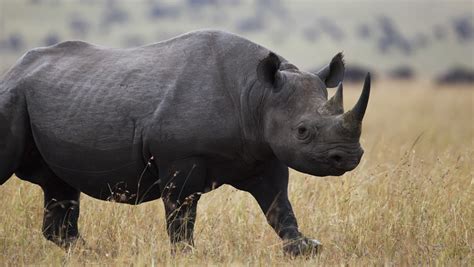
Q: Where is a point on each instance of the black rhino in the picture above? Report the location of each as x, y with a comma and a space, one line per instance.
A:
173, 120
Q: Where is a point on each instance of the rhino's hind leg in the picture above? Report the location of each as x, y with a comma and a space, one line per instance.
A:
61, 211
61, 201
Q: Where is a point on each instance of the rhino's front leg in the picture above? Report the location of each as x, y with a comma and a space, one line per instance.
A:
180, 219
271, 192
181, 185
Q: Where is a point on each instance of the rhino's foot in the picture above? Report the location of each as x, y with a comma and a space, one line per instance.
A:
66, 243
58, 229
302, 247
182, 247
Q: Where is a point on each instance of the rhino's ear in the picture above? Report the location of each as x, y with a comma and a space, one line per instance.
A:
333, 73
268, 70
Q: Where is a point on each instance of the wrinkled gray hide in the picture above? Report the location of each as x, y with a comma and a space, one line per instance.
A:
173, 119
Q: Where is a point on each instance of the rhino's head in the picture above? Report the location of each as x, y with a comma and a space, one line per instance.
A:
304, 129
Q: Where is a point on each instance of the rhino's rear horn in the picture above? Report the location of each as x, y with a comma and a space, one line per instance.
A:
335, 105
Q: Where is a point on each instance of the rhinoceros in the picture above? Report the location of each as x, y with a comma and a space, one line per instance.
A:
173, 120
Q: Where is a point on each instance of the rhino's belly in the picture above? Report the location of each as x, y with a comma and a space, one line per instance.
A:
119, 183
126, 181
117, 173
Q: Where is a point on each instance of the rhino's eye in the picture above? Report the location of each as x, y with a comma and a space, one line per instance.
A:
303, 132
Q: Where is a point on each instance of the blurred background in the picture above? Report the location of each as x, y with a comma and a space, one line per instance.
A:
408, 203
424, 39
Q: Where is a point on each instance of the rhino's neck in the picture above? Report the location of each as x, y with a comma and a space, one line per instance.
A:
252, 99
237, 63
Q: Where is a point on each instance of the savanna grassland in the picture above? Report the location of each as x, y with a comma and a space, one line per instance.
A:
410, 202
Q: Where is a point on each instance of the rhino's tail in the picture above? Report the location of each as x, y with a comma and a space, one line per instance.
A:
7, 161
14, 126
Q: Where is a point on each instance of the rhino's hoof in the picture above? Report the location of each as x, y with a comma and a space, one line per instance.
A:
302, 246
68, 243
182, 248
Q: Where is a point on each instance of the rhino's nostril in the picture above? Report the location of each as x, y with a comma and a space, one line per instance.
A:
335, 157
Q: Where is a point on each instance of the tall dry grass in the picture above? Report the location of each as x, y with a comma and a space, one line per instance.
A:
410, 202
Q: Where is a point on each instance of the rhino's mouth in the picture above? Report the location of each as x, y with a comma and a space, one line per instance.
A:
337, 172
335, 162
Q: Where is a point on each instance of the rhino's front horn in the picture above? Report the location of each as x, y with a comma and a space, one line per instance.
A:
358, 112
352, 120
